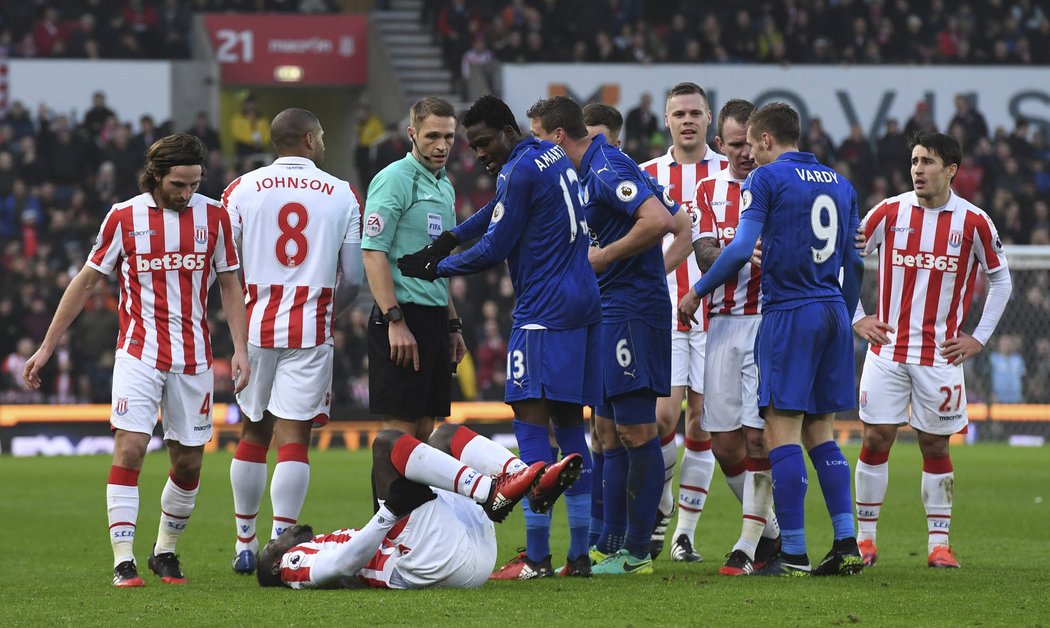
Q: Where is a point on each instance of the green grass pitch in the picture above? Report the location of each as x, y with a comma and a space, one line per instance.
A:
55, 563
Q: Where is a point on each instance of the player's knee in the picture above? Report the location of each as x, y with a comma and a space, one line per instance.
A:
755, 443
933, 445
441, 438
383, 445
877, 439
728, 448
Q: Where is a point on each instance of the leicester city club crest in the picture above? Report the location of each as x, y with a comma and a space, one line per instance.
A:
200, 234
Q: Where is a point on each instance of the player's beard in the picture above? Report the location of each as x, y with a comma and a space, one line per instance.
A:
168, 202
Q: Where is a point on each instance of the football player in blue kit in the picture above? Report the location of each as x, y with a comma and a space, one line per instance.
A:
806, 214
628, 215
535, 223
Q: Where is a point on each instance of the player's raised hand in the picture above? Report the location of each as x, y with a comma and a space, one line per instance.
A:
31, 372
873, 330
404, 351
960, 349
240, 370
687, 308
596, 256
860, 241
756, 255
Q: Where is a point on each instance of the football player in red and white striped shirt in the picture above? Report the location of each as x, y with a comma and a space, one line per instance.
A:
731, 377
419, 538
297, 226
688, 161
931, 243
168, 245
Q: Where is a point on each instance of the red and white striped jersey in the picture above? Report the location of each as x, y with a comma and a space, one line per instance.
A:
291, 219
167, 261
378, 573
718, 204
679, 181
928, 262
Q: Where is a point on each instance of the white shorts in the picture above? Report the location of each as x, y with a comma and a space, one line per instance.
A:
452, 544
687, 358
937, 395
731, 377
293, 384
184, 401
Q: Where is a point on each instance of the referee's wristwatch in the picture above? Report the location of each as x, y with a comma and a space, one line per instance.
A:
393, 315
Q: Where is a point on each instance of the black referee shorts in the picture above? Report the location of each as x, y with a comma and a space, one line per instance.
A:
402, 391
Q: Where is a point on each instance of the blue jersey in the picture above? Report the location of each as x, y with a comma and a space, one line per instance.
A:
614, 188
800, 201
536, 223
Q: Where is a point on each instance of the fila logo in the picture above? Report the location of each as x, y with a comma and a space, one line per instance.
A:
926, 261
170, 261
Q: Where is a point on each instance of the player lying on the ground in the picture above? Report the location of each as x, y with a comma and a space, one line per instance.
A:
419, 538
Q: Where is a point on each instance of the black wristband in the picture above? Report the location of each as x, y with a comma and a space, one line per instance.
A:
455, 325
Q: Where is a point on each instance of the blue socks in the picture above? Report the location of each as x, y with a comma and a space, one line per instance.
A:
615, 512
597, 498
834, 476
534, 446
645, 481
573, 440
789, 496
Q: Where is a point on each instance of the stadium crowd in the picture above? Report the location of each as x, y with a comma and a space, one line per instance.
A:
58, 176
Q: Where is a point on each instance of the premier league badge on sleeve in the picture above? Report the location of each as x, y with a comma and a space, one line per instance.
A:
745, 199
626, 190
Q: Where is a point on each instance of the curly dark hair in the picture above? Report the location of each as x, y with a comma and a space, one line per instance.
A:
493, 112
268, 569
178, 149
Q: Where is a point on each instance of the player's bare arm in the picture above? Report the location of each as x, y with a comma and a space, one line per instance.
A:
457, 347
706, 251
73, 300
403, 349
678, 250
872, 330
652, 221
236, 318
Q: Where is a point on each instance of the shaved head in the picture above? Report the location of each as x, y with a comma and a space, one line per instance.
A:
297, 132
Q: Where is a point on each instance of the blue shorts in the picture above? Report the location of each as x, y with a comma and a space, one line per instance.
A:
805, 359
636, 356
560, 365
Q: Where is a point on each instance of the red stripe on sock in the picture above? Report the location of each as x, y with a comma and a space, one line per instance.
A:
246, 540
398, 527
186, 486
285, 520
698, 445
168, 514
121, 523
403, 448
873, 458
692, 488
938, 516
867, 519
474, 489
735, 469
460, 439
293, 452
758, 464
246, 516
507, 464
761, 520
690, 509
667, 439
931, 533
455, 483
250, 452
937, 465
123, 476
869, 503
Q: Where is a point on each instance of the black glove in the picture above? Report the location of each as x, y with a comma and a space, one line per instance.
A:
405, 496
442, 247
422, 264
